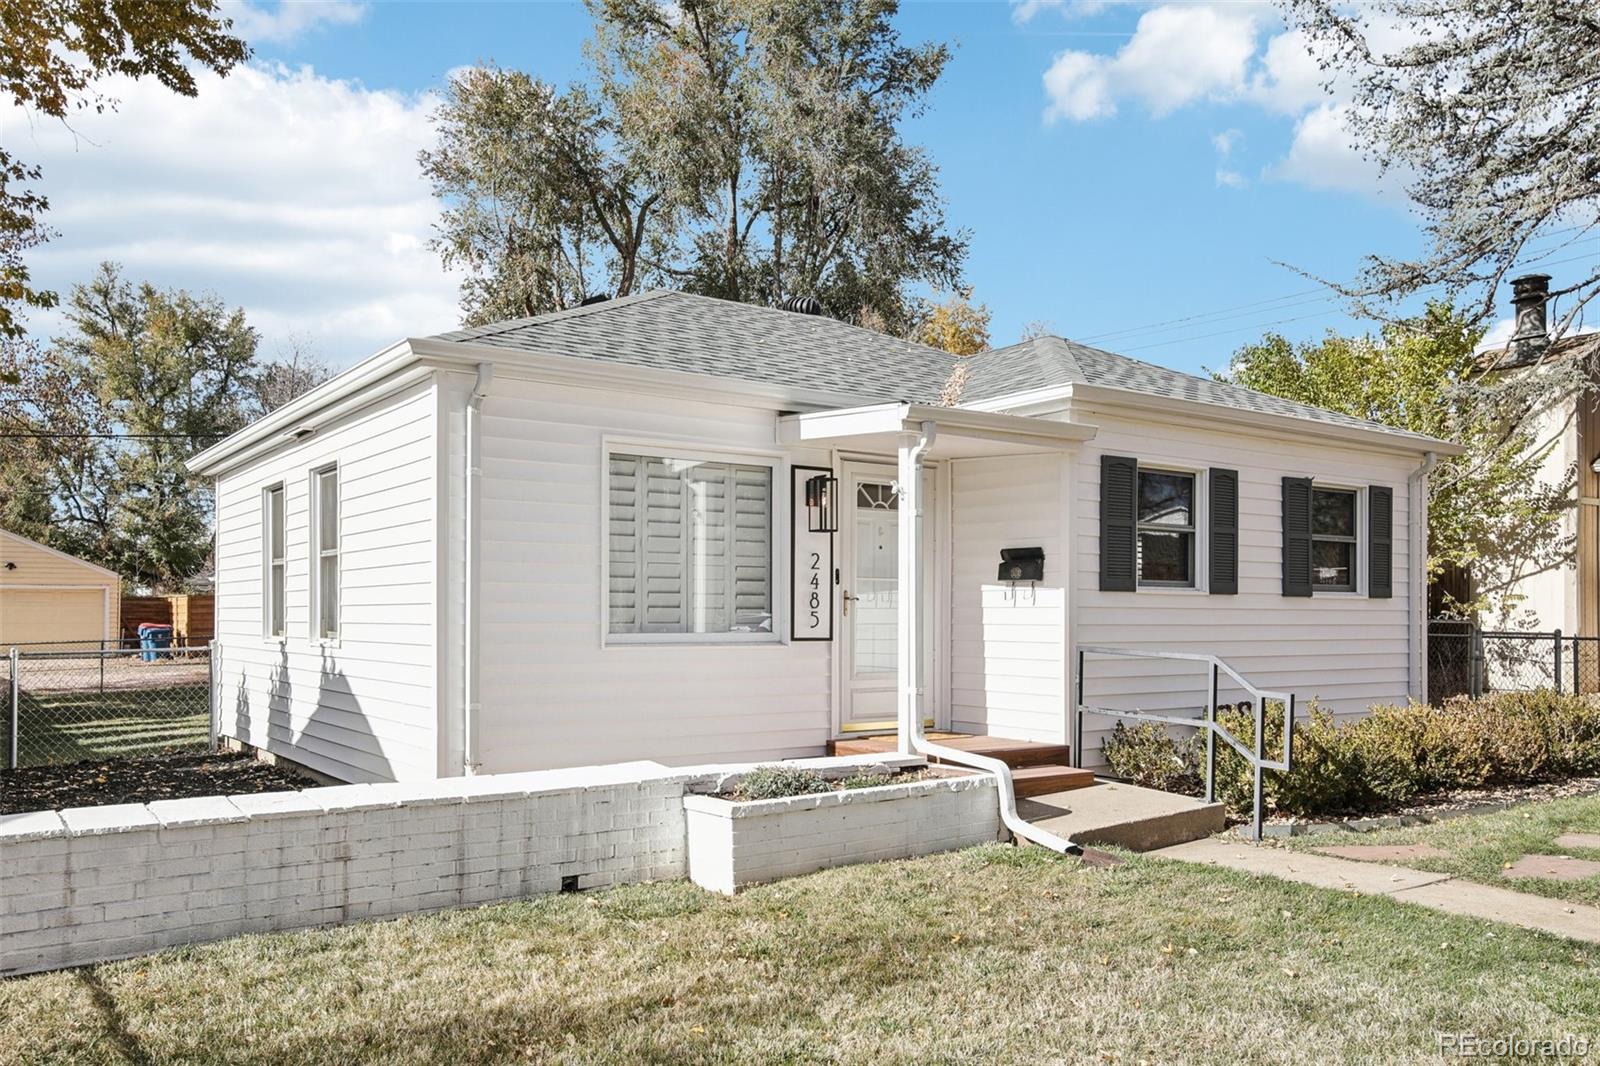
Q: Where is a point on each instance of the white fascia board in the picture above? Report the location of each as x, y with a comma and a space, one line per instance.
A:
557, 369
908, 418
302, 409
1377, 437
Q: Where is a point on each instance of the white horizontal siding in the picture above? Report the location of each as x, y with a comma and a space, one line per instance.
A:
552, 695
364, 708
1006, 656
1345, 651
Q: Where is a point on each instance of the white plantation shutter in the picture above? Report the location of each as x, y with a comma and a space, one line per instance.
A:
690, 546
664, 547
750, 561
622, 530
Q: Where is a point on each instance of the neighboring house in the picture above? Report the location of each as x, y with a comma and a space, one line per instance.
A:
50, 596
585, 537
1543, 594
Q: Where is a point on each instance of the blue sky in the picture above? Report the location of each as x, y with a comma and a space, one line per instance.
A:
1118, 166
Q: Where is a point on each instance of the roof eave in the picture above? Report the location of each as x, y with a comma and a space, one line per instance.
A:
1377, 437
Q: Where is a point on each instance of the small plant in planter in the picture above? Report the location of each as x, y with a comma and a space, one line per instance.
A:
778, 782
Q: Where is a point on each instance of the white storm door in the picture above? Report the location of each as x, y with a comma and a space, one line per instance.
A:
869, 541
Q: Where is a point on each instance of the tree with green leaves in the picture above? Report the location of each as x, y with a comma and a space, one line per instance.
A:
53, 53
746, 149
95, 428
1488, 510
1489, 112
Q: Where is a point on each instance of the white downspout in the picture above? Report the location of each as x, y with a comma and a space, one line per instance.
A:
469, 573
913, 447
1417, 572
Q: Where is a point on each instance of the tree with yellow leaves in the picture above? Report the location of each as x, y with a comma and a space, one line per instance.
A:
958, 325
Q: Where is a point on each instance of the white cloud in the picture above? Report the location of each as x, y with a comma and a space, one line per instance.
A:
1023, 11
289, 19
1179, 53
1323, 155
294, 195
1079, 88
1288, 79
1230, 179
1225, 141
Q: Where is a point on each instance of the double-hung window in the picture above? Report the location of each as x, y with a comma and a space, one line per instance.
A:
689, 547
1333, 539
273, 560
1166, 529
324, 525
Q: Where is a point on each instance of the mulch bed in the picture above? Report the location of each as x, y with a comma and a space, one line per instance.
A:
100, 782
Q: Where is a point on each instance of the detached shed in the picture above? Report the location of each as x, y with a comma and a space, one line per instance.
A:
50, 596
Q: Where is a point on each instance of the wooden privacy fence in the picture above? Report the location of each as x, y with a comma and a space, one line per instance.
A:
192, 617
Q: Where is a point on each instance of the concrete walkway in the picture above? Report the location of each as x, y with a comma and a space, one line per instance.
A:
1441, 892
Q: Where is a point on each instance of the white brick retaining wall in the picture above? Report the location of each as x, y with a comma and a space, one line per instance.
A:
96, 883
735, 844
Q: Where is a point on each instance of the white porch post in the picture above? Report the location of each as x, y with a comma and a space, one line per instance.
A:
908, 631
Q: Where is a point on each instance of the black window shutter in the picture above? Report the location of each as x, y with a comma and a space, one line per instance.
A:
1380, 542
1297, 536
1224, 532
1119, 525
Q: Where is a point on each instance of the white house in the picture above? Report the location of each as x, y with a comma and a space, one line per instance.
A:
584, 538
1558, 586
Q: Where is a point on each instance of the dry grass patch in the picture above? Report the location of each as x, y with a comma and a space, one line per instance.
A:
1480, 847
993, 954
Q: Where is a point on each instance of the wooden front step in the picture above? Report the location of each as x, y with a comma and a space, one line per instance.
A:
1045, 779
1014, 753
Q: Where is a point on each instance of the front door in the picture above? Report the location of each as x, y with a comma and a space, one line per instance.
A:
870, 595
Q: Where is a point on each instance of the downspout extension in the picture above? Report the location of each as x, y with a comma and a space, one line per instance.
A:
1417, 541
470, 704
911, 708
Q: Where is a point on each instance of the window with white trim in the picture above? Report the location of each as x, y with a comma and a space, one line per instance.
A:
690, 547
1166, 519
324, 525
1334, 521
273, 560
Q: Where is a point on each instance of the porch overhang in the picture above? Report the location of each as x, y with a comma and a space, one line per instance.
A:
962, 434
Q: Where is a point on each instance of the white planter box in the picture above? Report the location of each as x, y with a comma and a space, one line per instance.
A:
735, 844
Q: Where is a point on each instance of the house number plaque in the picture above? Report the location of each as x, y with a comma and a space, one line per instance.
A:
811, 563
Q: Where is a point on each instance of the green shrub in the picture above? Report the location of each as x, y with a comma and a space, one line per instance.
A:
1385, 759
1151, 757
778, 782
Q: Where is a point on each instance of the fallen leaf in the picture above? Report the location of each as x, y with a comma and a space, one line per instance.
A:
1289, 973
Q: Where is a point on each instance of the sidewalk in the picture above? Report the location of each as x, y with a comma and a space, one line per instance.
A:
1442, 892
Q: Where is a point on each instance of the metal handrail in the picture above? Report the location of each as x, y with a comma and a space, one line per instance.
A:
1213, 729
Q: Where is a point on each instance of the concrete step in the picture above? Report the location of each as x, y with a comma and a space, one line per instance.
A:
1123, 815
1047, 779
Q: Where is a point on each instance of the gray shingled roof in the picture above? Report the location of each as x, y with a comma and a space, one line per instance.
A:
700, 335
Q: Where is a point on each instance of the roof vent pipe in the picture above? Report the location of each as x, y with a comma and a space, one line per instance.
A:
1530, 294
801, 305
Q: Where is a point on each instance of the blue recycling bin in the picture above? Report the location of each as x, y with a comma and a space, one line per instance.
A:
154, 639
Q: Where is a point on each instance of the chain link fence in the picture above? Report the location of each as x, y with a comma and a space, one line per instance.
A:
65, 703
1466, 661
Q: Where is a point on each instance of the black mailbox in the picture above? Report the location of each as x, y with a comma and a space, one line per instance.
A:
1021, 564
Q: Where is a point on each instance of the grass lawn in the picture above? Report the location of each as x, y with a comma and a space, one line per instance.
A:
993, 954
61, 727
1481, 845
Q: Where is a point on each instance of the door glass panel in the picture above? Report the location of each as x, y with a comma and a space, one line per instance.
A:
874, 613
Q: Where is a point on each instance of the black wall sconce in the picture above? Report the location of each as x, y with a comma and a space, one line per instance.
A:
822, 504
